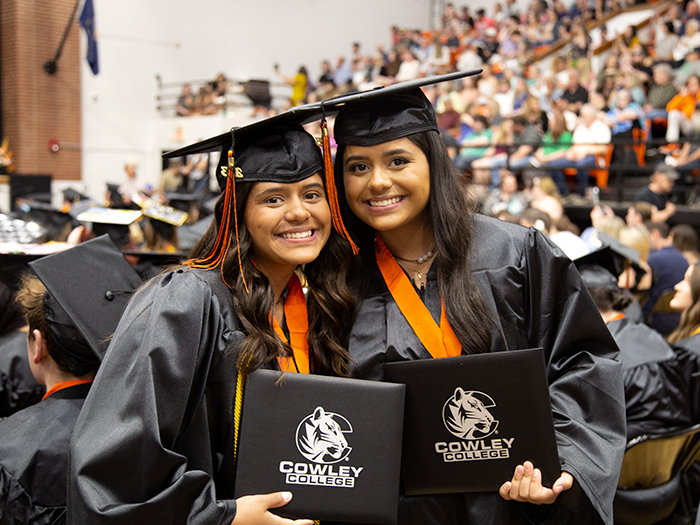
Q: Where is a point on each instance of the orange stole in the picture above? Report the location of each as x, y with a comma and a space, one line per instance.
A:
440, 341
298, 325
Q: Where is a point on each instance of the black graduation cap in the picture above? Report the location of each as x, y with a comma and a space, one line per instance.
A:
602, 267
266, 151
72, 195
378, 97
89, 286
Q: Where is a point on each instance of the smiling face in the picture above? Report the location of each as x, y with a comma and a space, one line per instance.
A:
289, 224
683, 298
388, 185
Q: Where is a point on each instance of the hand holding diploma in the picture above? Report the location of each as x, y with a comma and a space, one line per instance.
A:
526, 486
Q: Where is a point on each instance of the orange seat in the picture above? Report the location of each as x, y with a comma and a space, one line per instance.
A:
601, 173
640, 137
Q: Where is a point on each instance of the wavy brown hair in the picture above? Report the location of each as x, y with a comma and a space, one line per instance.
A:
690, 318
450, 214
329, 300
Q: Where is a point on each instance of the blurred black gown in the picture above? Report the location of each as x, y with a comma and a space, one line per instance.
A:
18, 388
34, 452
655, 389
537, 299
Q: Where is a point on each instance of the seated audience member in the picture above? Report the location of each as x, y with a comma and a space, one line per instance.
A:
685, 238
185, 104
526, 140
474, 144
655, 389
35, 442
575, 94
555, 145
637, 237
18, 388
497, 153
658, 192
544, 196
623, 117
638, 213
668, 266
505, 197
682, 115
591, 137
660, 93
665, 40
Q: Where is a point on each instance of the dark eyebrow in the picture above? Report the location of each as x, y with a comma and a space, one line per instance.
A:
281, 188
390, 153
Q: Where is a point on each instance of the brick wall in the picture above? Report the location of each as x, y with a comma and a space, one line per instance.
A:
36, 106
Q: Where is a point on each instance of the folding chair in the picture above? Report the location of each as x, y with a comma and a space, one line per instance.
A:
650, 483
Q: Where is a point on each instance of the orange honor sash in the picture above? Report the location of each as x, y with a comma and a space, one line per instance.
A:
440, 341
298, 325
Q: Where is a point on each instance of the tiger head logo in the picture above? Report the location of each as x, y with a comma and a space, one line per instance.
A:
321, 437
466, 415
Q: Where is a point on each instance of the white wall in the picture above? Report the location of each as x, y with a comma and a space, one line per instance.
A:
180, 41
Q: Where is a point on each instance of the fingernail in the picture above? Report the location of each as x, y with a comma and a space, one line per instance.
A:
506, 486
286, 496
558, 488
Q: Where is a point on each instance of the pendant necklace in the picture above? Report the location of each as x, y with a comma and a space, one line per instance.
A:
421, 260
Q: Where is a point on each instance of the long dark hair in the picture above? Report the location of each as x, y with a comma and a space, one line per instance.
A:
450, 214
329, 300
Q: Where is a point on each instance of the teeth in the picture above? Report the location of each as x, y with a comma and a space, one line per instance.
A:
297, 235
385, 202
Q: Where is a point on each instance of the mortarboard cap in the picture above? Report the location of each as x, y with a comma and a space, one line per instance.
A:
72, 195
110, 221
377, 97
613, 257
89, 286
166, 214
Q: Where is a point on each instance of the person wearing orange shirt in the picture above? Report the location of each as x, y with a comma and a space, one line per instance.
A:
681, 111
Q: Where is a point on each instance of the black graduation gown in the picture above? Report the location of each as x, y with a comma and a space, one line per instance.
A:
154, 443
537, 299
18, 388
34, 451
688, 352
655, 389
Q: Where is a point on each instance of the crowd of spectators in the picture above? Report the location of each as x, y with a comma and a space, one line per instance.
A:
210, 99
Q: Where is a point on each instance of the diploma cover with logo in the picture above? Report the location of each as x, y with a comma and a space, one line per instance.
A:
470, 420
334, 443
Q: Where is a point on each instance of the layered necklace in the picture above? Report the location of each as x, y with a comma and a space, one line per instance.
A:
423, 261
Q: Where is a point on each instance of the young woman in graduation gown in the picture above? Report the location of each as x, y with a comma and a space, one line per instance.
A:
436, 280
656, 396
156, 440
686, 338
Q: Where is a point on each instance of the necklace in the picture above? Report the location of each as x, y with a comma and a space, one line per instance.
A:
423, 258
418, 273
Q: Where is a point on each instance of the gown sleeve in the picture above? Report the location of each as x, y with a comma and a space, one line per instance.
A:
583, 370
143, 450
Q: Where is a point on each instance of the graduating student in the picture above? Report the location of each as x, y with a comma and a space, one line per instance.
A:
686, 338
157, 438
68, 314
656, 396
436, 280
18, 388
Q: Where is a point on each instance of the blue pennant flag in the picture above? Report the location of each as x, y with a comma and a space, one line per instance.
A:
87, 20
